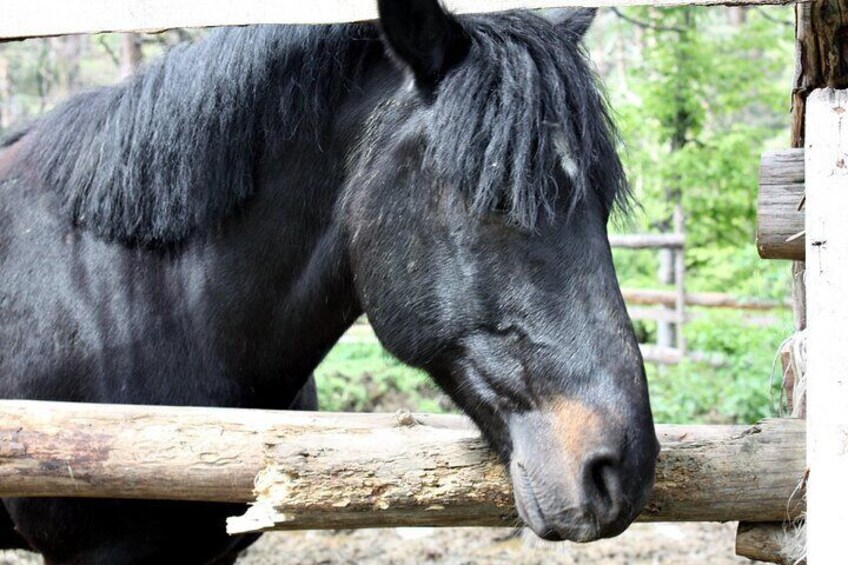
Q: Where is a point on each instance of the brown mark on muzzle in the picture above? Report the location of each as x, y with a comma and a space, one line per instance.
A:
576, 426
568, 471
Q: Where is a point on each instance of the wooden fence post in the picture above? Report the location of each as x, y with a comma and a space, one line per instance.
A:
680, 282
827, 312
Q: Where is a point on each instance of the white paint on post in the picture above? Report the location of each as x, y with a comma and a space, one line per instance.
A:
34, 18
827, 344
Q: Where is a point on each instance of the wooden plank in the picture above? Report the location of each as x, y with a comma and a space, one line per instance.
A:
34, 18
648, 241
780, 215
360, 470
827, 331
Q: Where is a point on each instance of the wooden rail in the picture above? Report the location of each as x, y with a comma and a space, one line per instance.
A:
648, 241
324, 470
37, 18
645, 297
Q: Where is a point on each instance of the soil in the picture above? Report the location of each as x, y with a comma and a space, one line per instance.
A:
642, 544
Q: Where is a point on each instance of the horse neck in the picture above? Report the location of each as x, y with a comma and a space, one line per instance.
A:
297, 216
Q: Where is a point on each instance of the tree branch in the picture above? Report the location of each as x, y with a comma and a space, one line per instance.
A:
109, 51
646, 25
769, 17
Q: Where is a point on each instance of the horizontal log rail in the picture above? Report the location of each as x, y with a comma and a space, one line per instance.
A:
325, 470
645, 297
648, 241
780, 206
37, 18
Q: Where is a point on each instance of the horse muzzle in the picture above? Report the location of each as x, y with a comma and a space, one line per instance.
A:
579, 476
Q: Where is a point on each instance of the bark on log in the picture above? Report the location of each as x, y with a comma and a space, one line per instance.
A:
820, 42
645, 297
322, 470
34, 18
780, 217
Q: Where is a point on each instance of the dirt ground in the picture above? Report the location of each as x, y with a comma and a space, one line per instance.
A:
642, 544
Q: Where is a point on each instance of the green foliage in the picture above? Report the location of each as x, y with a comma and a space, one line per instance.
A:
743, 390
699, 103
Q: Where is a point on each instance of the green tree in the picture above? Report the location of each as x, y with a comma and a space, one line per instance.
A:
702, 98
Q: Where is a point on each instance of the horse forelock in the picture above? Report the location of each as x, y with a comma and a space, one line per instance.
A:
524, 104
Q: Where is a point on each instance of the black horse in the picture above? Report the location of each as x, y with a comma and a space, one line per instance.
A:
204, 233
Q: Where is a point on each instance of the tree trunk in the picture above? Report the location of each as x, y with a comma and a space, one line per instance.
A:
131, 54
67, 53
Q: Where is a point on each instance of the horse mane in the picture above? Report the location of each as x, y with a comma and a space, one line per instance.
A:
525, 105
174, 149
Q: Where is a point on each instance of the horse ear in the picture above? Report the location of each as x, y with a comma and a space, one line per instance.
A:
424, 37
575, 22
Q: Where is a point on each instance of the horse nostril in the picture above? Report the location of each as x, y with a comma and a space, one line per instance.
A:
602, 486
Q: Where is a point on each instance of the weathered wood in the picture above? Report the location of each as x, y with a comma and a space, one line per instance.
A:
827, 312
820, 31
764, 542
820, 61
323, 470
696, 480
780, 217
35, 18
647, 297
648, 241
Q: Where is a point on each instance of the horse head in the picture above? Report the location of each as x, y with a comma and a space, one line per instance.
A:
476, 214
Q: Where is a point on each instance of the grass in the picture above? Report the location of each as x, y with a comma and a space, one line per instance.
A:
364, 377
